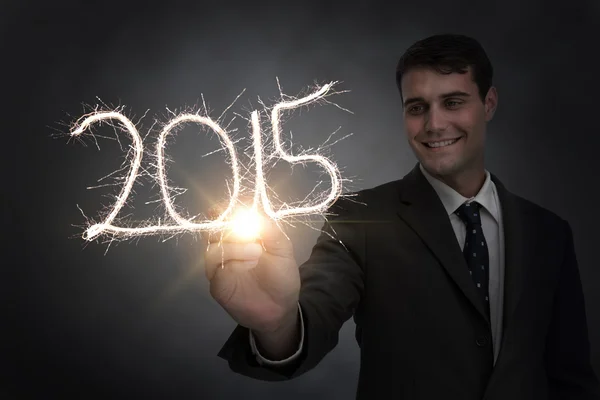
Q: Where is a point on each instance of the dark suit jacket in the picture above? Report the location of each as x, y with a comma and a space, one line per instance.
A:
421, 329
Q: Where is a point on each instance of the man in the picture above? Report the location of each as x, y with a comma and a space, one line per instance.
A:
459, 288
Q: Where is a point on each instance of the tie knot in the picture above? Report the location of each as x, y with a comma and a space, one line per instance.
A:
469, 213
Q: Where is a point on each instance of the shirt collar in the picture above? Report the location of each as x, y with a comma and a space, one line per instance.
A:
451, 199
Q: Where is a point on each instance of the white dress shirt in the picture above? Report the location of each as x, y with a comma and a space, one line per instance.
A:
491, 222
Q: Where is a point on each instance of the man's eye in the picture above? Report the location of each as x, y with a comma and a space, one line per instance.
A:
453, 103
415, 109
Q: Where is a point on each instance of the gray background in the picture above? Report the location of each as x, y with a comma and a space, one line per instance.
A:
137, 320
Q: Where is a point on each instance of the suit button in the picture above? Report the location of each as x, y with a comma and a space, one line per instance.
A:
482, 341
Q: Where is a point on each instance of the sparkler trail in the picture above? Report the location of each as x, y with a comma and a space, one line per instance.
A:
332, 170
231, 217
162, 178
97, 229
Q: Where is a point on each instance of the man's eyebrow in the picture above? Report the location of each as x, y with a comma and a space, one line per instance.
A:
456, 93
411, 100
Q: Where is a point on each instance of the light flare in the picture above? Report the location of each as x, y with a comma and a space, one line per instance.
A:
245, 224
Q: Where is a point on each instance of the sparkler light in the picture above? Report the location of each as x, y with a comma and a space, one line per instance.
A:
244, 221
245, 224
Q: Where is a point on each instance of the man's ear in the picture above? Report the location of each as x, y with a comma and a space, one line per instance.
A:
491, 103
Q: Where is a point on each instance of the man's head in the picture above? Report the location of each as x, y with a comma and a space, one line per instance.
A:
445, 83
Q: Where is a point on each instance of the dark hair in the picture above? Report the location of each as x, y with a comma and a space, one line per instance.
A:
448, 53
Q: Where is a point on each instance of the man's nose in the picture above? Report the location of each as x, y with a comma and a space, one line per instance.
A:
435, 120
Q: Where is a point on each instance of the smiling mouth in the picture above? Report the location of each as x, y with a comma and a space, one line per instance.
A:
441, 144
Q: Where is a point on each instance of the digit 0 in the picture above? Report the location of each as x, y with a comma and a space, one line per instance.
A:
162, 176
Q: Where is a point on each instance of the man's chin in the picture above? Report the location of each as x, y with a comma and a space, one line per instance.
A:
439, 168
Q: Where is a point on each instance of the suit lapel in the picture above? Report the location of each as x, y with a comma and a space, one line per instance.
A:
421, 208
516, 232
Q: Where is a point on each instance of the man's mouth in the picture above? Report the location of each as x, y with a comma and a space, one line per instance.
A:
441, 144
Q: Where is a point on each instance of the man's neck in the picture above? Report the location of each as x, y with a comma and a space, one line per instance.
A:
467, 183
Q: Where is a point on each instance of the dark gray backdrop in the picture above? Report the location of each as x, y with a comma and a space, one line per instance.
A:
137, 320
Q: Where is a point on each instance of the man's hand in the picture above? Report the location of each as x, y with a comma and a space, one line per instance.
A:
258, 282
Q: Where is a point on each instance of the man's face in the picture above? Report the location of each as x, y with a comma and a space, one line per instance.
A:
446, 107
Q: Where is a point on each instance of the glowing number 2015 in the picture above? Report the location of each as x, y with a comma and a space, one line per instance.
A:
260, 189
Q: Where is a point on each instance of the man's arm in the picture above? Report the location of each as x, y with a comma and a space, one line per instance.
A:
568, 362
332, 284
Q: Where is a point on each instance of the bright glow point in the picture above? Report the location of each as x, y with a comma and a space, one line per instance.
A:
245, 224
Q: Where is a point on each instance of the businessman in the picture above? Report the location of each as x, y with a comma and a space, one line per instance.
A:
459, 288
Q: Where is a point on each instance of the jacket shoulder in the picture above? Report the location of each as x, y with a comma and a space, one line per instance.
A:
540, 213
375, 198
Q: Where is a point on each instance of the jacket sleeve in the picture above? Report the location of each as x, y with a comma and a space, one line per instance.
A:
331, 288
265, 361
568, 363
